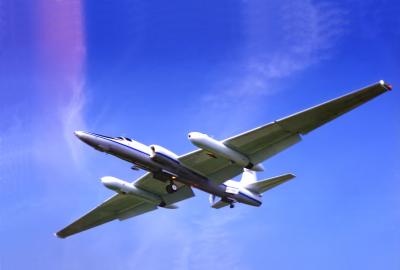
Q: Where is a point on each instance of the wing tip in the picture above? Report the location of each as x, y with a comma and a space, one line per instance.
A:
385, 85
59, 235
288, 177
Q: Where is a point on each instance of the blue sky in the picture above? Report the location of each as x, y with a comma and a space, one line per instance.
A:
156, 70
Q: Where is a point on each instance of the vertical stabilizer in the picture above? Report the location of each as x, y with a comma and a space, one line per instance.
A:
248, 177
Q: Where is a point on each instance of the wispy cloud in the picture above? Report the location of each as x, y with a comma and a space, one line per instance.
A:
308, 33
206, 241
60, 37
72, 117
292, 38
214, 240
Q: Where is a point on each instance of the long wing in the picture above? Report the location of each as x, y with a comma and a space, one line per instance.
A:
122, 207
263, 142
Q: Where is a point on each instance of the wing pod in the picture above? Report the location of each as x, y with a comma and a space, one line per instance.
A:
123, 187
218, 148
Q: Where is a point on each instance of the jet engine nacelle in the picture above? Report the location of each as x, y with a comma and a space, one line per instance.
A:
123, 187
163, 155
218, 148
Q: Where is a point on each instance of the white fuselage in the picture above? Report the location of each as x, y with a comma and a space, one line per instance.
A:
167, 167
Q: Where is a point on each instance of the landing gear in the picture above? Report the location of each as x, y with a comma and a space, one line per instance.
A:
171, 188
231, 205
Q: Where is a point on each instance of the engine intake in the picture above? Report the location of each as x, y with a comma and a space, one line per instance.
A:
163, 155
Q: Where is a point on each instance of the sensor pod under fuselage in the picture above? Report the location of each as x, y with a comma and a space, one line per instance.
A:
218, 148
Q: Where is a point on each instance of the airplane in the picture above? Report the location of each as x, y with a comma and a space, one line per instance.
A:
170, 178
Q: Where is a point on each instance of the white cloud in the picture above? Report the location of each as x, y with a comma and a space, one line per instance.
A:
281, 40
214, 246
73, 119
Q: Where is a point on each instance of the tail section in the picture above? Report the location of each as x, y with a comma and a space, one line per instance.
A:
248, 177
264, 185
249, 187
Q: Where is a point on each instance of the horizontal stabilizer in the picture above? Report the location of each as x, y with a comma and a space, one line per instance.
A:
171, 206
264, 185
219, 204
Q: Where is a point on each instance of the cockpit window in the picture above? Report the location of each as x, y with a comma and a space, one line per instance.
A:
123, 138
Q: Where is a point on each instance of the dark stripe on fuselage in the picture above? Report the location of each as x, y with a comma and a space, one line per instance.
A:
170, 158
130, 147
113, 140
99, 135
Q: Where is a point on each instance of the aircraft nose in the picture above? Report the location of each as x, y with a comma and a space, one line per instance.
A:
93, 140
85, 137
79, 133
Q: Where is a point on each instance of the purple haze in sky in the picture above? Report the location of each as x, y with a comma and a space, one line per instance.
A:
156, 70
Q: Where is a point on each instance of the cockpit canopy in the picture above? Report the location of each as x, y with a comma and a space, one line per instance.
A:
123, 139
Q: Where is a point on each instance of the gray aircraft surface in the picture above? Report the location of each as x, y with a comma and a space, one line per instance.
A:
170, 178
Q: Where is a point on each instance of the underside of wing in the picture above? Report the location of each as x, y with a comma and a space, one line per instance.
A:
264, 142
305, 121
285, 132
117, 207
214, 168
122, 207
155, 186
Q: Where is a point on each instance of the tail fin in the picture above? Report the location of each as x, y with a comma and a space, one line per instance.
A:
248, 177
264, 185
